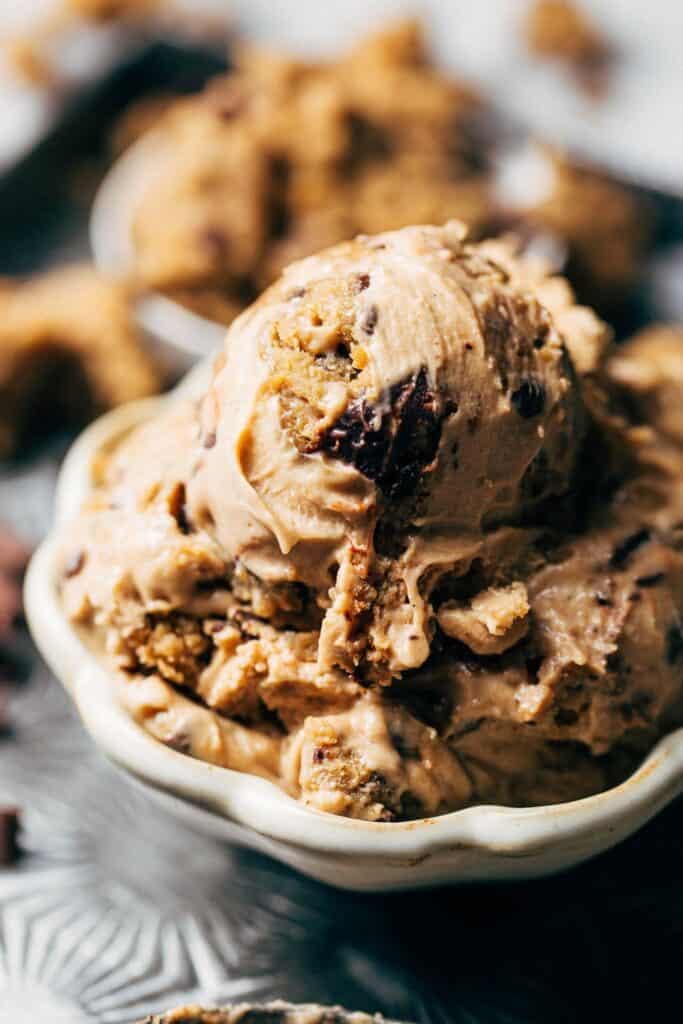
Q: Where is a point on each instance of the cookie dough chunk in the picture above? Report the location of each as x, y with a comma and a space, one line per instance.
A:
69, 348
560, 29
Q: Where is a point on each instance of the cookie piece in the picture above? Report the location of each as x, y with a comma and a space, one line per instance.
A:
69, 348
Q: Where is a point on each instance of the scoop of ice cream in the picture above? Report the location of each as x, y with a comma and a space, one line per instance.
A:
380, 408
416, 546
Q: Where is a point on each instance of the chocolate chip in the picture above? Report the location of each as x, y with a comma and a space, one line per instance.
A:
362, 282
529, 398
9, 831
178, 509
217, 241
209, 439
627, 547
74, 564
369, 321
318, 755
603, 600
674, 643
179, 741
650, 581
391, 441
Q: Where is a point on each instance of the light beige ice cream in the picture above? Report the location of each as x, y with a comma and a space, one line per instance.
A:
406, 553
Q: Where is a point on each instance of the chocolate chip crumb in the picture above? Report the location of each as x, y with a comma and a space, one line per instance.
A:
74, 564
650, 581
363, 282
318, 755
296, 293
529, 398
369, 321
209, 439
627, 547
603, 600
674, 643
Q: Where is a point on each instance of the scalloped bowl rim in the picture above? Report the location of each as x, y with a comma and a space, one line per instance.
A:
259, 804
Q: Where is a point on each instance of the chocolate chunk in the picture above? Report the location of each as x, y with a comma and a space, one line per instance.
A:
650, 581
674, 643
392, 441
369, 321
9, 831
627, 547
209, 439
529, 398
74, 564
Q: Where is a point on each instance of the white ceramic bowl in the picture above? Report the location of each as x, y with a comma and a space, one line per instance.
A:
476, 843
178, 336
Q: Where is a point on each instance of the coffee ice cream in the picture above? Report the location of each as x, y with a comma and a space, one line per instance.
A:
411, 549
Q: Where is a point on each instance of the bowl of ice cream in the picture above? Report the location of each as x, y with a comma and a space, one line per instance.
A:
393, 590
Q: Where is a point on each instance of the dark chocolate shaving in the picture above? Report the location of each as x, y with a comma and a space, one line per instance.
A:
627, 547
529, 398
392, 441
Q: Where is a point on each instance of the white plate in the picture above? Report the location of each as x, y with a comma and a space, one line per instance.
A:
484, 842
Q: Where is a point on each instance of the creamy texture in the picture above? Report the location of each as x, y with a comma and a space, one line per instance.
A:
413, 549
